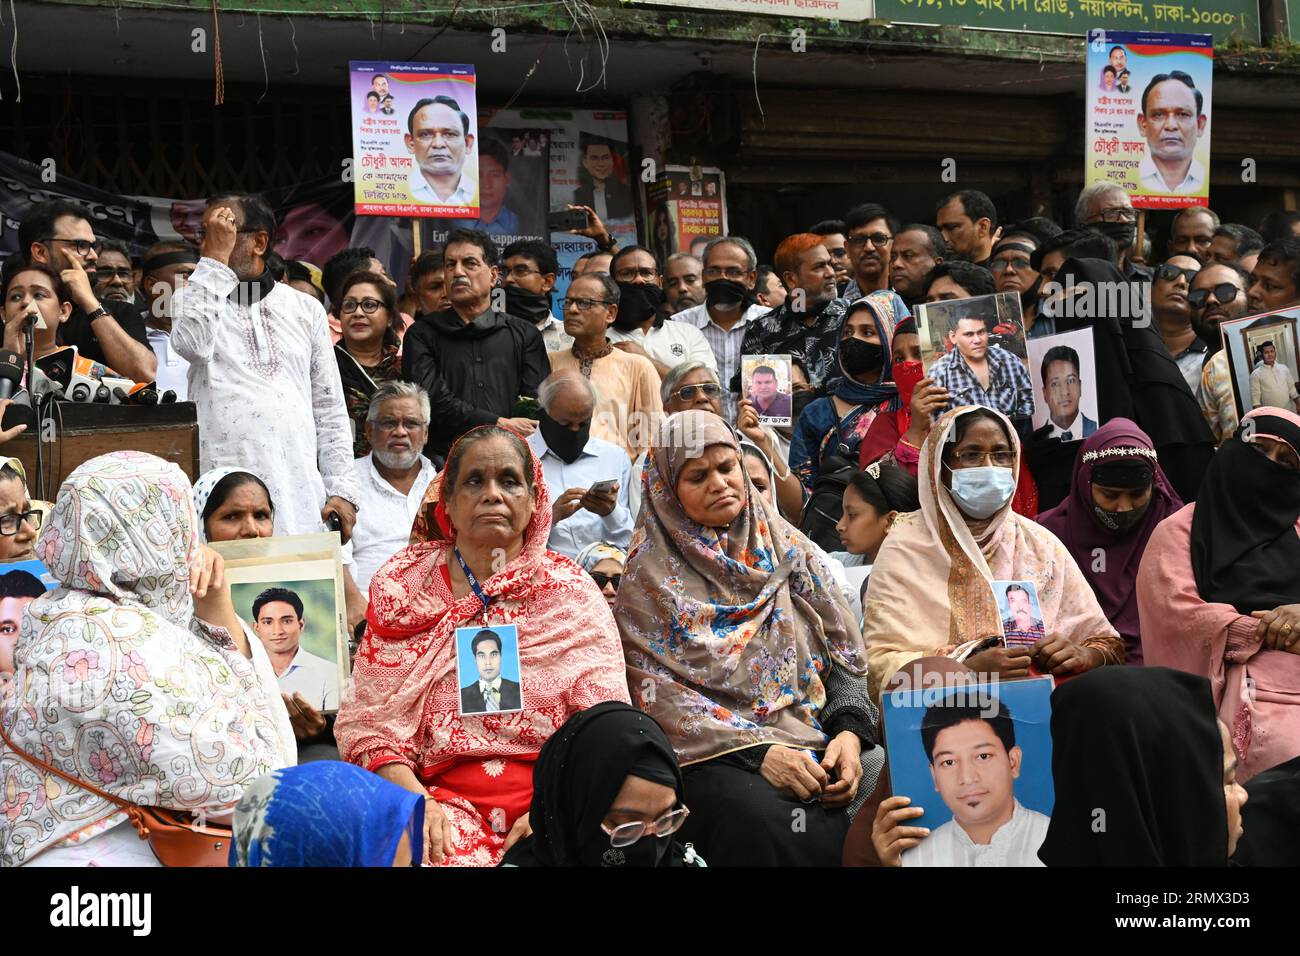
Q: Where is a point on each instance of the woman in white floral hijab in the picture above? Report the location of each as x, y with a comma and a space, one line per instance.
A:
120, 681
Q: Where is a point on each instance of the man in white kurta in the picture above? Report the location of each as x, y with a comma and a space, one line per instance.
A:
263, 375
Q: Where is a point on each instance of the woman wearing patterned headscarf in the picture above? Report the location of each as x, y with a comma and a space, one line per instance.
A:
1219, 588
132, 675
743, 649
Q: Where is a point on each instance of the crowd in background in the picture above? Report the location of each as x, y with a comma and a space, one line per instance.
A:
709, 607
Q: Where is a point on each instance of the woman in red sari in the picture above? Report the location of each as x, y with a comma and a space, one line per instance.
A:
477, 559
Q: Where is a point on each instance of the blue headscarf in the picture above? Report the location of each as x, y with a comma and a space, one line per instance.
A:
887, 311
325, 813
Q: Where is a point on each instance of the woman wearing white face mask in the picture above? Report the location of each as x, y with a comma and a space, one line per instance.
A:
931, 593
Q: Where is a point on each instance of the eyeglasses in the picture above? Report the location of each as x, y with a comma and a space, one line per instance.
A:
974, 459
104, 274
733, 273
628, 833
408, 424
584, 305
628, 274
9, 524
877, 239
368, 306
1224, 293
687, 392
81, 247
1002, 265
603, 579
1168, 273
523, 272
1117, 214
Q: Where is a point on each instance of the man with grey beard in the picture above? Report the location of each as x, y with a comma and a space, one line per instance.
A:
392, 480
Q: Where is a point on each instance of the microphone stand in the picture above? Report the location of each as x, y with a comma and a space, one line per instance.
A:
29, 337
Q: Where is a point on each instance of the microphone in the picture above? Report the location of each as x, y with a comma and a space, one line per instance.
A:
167, 398
11, 373
58, 365
20, 412
145, 393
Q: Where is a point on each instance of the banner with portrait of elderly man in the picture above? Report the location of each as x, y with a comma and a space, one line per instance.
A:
1148, 116
414, 136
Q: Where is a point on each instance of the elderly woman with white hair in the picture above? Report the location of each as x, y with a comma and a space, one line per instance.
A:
695, 385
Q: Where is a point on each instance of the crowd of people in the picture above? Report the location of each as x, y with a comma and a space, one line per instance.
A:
710, 608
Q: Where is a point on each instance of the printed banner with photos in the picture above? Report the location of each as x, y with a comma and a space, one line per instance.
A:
1148, 116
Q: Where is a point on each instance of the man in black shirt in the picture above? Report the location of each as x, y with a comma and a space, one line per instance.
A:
473, 360
58, 234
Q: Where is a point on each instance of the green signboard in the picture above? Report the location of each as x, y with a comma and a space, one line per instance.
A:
1225, 19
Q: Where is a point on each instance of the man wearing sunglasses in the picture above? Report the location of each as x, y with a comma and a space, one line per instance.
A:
1218, 294
57, 233
1172, 315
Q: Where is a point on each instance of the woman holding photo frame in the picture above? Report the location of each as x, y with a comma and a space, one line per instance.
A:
478, 558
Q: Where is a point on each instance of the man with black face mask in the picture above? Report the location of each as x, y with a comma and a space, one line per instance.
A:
573, 461
1104, 207
528, 270
807, 326
642, 326
729, 311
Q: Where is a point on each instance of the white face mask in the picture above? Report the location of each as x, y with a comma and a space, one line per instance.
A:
982, 492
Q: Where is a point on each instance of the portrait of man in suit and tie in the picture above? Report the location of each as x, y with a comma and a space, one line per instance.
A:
488, 691
1062, 390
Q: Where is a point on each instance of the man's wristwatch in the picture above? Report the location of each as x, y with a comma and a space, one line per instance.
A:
97, 313
609, 243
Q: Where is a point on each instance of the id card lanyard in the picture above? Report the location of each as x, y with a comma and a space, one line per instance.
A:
484, 598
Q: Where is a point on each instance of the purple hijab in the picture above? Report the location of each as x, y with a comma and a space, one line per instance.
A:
1074, 523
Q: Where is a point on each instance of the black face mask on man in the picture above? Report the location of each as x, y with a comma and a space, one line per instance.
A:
532, 306
1123, 233
636, 303
726, 294
561, 439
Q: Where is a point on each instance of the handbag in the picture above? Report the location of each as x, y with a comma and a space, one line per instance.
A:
175, 838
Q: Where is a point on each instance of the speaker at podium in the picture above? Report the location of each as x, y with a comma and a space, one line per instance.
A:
84, 431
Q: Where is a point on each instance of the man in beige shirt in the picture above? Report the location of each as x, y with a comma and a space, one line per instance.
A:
1272, 384
629, 406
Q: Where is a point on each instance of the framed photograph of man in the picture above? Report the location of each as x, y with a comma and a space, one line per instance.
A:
289, 593
21, 582
1065, 384
980, 322
487, 670
1022, 616
977, 759
765, 381
1263, 359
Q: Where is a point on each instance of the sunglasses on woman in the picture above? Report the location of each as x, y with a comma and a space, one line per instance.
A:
1224, 294
628, 833
687, 392
603, 579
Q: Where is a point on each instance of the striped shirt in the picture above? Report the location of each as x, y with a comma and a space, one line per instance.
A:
1010, 391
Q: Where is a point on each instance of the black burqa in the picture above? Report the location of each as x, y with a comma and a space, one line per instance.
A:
1245, 551
580, 771
1270, 820
1137, 764
1137, 379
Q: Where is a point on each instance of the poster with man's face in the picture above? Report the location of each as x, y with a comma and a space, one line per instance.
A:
765, 381
21, 582
977, 759
487, 670
1065, 384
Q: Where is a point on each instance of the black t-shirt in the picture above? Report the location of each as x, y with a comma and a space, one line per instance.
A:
79, 330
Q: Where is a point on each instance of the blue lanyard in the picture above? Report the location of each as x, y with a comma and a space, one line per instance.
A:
474, 586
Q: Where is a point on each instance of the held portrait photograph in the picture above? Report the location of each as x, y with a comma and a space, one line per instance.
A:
487, 670
765, 381
1065, 384
977, 759
288, 591
975, 348
1263, 359
1022, 617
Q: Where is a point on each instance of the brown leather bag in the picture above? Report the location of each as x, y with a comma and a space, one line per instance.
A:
175, 838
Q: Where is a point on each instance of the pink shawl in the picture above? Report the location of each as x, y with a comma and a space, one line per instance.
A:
1256, 691
930, 592
402, 705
